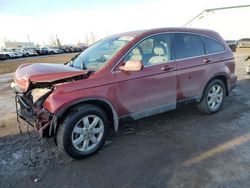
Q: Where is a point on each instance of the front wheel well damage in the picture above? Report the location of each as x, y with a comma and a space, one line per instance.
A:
106, 106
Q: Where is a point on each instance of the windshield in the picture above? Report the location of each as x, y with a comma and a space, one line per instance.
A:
96, 56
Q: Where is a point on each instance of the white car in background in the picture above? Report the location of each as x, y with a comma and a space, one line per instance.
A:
18, 52
28, 52
9, 53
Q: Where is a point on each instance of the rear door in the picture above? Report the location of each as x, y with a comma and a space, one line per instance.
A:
191, 65
153, 89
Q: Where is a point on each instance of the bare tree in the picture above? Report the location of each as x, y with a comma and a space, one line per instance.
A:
53, 41
86, 39
93, 37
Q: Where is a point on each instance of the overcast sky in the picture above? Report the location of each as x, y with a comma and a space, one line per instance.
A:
72, 20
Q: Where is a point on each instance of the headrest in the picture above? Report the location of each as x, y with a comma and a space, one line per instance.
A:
136, 51
159, 50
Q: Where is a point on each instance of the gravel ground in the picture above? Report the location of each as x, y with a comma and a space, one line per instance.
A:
181, 148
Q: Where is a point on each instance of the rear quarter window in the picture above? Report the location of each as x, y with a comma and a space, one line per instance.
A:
213, 46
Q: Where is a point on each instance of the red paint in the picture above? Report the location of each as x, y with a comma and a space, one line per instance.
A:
43, 72
130, 92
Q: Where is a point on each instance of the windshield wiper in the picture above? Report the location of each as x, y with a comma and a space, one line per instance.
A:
71, 61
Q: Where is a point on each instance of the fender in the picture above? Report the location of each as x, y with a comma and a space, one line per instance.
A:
217, 75
54, 121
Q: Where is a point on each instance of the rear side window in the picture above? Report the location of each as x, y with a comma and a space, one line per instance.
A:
212, 46
188, 45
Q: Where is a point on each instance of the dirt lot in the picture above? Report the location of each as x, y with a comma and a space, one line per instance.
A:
11, 65
181, 148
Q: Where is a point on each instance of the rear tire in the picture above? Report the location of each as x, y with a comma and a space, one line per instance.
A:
213, 97
83, 131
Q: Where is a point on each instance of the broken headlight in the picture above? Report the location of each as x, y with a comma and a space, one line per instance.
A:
15, 88
39, 93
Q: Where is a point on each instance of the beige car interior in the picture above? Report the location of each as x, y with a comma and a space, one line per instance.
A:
136, 55
159, 56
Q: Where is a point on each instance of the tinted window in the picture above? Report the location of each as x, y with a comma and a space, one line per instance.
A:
212, 46
188, 45
152, 51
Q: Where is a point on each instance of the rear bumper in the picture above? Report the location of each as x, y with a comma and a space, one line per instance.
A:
233, 82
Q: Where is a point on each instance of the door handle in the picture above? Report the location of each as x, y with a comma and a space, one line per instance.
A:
166, 68
207, 60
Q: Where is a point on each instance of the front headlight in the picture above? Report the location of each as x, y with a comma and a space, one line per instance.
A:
15, 88
38, 93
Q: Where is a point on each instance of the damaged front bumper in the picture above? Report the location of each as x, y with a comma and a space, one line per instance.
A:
35, 115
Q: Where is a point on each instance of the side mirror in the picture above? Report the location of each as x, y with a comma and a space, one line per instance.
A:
131, 66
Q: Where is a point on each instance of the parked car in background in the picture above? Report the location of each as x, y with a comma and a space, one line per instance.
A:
72, 49
48, 51
28, 52
121, 78
53, 50
83, 48
244, 43
42, 51
64, 49
77, 49
39, 51
60, 51
9, 53
232, 44
24, 52
2, 55
18, 52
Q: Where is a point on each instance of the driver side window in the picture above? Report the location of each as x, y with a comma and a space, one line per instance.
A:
151, 51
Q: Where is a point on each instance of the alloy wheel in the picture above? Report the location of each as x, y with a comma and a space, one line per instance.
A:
215, 97
87, 133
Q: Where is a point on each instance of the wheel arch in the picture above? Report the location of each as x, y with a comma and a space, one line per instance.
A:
102, 103
223, 78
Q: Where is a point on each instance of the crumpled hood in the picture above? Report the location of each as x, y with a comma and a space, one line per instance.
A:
44, 73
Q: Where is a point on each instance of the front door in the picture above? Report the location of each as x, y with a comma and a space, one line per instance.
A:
153, 89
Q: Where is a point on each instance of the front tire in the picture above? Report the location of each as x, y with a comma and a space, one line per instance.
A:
213, 97
83, 132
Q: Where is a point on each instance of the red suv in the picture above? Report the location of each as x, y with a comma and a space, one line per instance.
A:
123, 77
